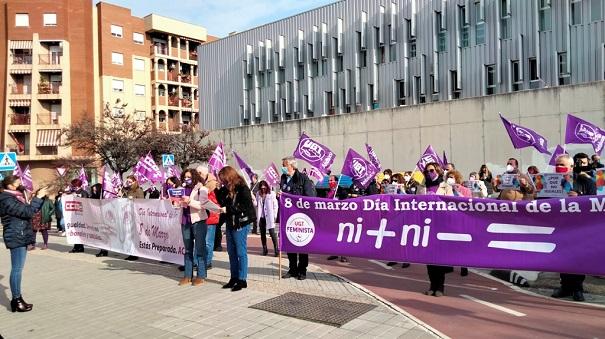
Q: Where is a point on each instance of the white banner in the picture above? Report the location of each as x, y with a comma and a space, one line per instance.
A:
144, 228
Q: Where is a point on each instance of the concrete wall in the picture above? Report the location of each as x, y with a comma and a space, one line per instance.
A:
469, 130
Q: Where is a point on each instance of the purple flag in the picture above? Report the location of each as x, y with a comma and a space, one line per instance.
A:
522, 137
17, 171
26, 179
83, 178
444, 159
108, 189
139, 172
315, 174
314, 153
580, 131
420, 229
373, 157
558, 151
427, 157
272, 175
243, 166
359, 169
218, 159
147, 170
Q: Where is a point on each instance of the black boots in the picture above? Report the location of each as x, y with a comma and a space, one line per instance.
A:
230, 284
265, 250
274, 240
239, 284
19, 305
102, 253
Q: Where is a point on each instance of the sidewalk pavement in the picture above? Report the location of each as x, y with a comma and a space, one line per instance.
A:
81, 296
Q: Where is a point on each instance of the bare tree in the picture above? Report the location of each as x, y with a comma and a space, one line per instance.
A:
189, 146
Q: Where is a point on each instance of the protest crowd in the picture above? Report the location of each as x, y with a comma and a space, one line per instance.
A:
215, 196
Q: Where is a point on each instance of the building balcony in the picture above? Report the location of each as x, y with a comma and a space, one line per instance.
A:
20, 150
193, 55
21, 59
21, 89
20, 119
161, 100
47, 90
186, 78
174, 101
174, 52
159, 49
173, 76
186, 103
47, 150
50, 59
47, 119
174, 126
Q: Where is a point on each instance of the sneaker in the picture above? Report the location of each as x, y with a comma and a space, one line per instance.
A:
429, 292
560, 293
63, 233
578, 296
438, 294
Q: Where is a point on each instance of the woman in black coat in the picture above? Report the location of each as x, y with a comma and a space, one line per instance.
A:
236, 196
16, 214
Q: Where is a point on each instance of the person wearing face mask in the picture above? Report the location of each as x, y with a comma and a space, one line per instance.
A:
596, 162
409, 184
76, 190
132, 190
212, 223
16, 214
474, 179
485, 175
296, 183
334, 193
266, 215
454, 180
387, 174
572, 284
525, 186
435, 185
582, 165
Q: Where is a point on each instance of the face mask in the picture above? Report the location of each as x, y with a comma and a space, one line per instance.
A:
127, 184
394, 181
471, 179
445, 173
188, 181
451, 181
433, 175
582, 169
387, 177
561, 169
509, 168
406, 178
333, 184
284, 170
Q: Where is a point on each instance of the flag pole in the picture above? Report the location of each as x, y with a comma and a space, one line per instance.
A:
337, 186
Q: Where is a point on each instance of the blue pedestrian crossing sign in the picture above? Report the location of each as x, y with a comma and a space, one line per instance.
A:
167, 160
8, 161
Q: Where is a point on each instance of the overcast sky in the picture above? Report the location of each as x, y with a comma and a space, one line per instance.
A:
221, 16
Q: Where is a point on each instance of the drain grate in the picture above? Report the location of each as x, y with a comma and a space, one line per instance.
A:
323, 310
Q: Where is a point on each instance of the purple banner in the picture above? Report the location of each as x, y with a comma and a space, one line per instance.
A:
359, 169
271, 175
522, 137
552, 235
218, 159
580, 131
429, 156
244, 166
17, 171
316, 174
27, 181
314, 153
558, 151
373, 157
83, 178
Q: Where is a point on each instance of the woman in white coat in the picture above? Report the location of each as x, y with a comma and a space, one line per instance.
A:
266, 214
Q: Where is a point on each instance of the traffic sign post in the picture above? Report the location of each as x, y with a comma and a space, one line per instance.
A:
8, 161
167, 160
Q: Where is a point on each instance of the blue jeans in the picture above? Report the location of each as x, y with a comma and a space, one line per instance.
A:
194, 239
17, 262
210, 243
237, 248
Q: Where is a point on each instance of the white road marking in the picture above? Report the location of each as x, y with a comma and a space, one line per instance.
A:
480, 286
519, 229
381, 264
454, 237
494, 306
526, 246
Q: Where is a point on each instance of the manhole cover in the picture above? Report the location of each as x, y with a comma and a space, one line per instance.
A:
324, 310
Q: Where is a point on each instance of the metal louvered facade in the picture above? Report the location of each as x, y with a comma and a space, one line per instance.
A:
360, 55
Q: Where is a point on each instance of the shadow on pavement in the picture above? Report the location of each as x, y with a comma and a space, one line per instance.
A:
4, 295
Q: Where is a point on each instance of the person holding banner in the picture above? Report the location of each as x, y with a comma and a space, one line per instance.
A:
212, 223
296, 183
132, 190
572, 284
240, 213
77, 190
266, 215
16, 214
193, 225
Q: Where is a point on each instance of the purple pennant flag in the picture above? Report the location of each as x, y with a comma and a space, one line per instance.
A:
153, 172
83, 178
26, 179
218, 159
315, 174
445, 162
17, 171
373, 157
314, 153
558, 151
243, 166
359, 169
139, 171
522, 137
109, 191
427, 157
272, 175
580, 131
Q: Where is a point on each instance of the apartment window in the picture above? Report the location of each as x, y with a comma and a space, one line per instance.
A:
340, 63
139, 90
564, 77
576, 12
22, 20
596, 8
117, 85
392, 53
138, 64
400, 92
50, 19
117, 58
490, 79
456, 91
116, 31
505, 20
545, 16
324, 67
138, 38
442, 36
381, 49
533, 69
413, 49
464, 28
517, 84
363, 58
301, 72
315, 68
479, 25
139, 115
421, 97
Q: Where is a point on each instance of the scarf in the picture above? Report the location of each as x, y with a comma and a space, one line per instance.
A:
19, 195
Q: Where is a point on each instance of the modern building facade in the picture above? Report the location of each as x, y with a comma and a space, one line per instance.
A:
361, 55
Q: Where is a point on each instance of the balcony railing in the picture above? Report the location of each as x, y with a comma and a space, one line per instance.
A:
159, 49
47, 150
173, 101
47, 119
173, 76
20, 119
186, 103
193, 55
20, 150
49, 88
186, 78
20, 89
22, 59
50, 59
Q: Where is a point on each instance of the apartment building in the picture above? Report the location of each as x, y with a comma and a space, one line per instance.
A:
46, 78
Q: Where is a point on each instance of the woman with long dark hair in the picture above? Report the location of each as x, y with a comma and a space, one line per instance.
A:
240, 214
266, 215
16, 214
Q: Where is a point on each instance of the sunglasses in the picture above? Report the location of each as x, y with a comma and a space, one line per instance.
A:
431, 171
